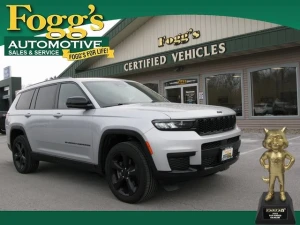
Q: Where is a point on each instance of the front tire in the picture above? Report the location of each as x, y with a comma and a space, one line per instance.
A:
128, 174
23, 161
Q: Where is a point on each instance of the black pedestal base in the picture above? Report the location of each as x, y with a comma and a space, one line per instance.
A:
275, 211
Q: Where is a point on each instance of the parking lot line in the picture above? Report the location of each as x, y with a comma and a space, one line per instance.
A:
256, 149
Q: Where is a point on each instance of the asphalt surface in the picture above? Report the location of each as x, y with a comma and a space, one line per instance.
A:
56, 187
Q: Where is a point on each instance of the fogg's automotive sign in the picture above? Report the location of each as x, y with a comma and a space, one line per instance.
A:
57, 41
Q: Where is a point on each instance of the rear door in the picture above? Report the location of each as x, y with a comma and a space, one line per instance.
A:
71, 131
40, 117
21, 116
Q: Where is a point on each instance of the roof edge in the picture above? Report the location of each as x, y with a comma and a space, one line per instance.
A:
108, 33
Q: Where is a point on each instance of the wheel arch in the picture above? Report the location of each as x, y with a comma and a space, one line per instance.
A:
103, 151
15, 131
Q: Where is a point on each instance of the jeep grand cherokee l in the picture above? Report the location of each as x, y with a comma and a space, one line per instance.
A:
122, 130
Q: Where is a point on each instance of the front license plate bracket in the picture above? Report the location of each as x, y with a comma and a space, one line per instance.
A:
227, 153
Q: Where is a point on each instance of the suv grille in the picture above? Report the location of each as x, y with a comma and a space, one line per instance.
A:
215, 159
215, 125
211, 152
217, 144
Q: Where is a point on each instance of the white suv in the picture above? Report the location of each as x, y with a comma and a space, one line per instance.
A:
121, 129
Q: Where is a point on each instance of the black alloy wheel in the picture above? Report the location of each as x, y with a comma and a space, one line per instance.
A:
125, 178
19, 156
128, 174
23, 161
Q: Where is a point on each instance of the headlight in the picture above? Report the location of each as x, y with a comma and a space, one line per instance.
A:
173, 124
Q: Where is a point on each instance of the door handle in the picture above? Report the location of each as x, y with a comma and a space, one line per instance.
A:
28, 115
57, 115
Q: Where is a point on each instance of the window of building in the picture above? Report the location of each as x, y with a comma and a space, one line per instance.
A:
46, 97
67, 91
274, 92
153, 86
25, 100
225, 90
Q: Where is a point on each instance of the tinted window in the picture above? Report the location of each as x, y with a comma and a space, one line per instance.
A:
46, 97
225, 90
25, 99
276, 89
153, 86
34, 99
67, 91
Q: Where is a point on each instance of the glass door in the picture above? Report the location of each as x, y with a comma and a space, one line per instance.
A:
182, 91
174, 95
190, 95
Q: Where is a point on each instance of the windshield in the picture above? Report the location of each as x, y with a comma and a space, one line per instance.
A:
113, 93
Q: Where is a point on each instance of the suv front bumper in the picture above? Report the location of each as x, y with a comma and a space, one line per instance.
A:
193, 172
185, 154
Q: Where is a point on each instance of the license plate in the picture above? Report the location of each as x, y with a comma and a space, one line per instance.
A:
227, 153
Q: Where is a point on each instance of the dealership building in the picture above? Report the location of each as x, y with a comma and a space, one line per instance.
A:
247, 65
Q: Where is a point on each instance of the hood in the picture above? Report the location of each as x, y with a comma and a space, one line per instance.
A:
178, 110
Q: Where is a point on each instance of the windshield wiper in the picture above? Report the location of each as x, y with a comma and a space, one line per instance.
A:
117, 105
128, 103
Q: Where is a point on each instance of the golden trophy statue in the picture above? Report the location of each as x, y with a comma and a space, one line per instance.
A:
275, 207
276, 143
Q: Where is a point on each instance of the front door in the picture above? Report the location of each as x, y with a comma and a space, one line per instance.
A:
71, 129
182, 91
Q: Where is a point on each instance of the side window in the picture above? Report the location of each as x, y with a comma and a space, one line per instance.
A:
25, 100
34, 98
46, 97
66, 91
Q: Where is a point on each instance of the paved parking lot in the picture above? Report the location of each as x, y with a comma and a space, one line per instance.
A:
56, 187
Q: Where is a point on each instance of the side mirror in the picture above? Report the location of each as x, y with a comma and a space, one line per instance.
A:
79, 103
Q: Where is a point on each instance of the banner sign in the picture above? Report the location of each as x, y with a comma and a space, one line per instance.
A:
88, 53
71, 43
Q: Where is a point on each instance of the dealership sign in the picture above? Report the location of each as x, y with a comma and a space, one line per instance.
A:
189, 54
179, 38
72, 43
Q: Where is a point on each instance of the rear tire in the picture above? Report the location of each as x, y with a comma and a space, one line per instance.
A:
128, 174
23, 161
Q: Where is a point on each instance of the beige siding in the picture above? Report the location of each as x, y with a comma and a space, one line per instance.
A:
144, 41
240, 63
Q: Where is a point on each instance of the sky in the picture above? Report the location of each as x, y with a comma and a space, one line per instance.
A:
35, 69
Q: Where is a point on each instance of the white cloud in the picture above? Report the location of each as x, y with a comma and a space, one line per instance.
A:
33, 69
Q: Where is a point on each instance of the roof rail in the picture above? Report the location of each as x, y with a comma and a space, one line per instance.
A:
49, 80
36, 83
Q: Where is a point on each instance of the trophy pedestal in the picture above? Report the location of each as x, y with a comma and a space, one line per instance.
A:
275, 211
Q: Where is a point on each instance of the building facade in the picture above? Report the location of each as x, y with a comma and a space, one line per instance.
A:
247, 65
